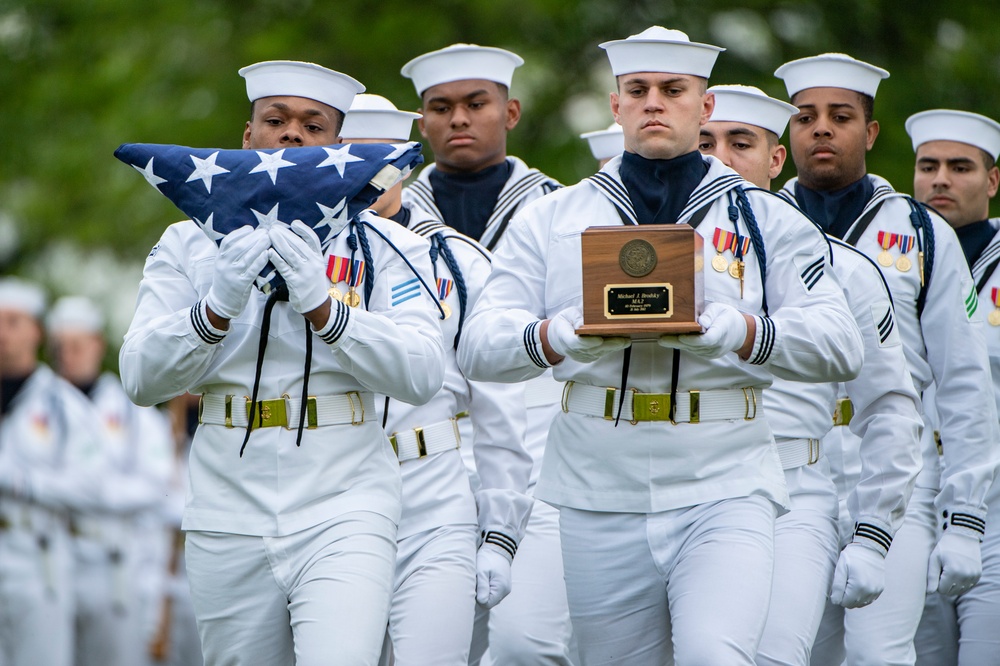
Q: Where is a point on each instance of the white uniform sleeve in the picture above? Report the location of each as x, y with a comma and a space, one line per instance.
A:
953, 335
809, 333
73, 484
146, 486
169, 344
500, 340
886, 413
395, 346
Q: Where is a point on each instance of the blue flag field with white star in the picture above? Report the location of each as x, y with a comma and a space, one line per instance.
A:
223, 190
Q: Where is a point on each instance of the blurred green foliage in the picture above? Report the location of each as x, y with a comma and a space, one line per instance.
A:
79, 77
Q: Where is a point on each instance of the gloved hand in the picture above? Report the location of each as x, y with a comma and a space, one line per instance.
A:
725, 331
581, 348
955, 565
296, 253
242, 255
859, 578
493, 578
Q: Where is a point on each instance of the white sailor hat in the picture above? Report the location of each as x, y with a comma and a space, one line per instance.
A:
375, 117
750, 105
961, 126
831, 70
291, 78
607, 143
23, 296
74, 313
459, 62
657, 49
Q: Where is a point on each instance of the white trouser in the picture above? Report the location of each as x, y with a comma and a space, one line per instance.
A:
36, 598
702, 573
430, 620
109, 625
882, 634
806, 547
304, 599
965, 630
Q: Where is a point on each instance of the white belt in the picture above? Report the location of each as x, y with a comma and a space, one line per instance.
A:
30, 517
692, 406
324, 410
798, 452
542, 391
420, 442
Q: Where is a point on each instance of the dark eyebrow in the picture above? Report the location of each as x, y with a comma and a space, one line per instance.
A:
281, 106
645, 82
465, 98
742, 131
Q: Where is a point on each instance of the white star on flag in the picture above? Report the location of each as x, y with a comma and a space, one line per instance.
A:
338, 157
269, 220
401, 148
335, 218
205, 169
209, 227
148, 174
271, 162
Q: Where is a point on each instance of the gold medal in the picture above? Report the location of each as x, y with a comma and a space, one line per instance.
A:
736, 269
446, 309
994, 317
335, 294
719, 263
904, 264
884, 258
352, 299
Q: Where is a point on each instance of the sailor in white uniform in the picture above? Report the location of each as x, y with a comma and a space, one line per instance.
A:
439, 576
744, 133
136, 462
942, 333
605, 144
475, 187
956, 173
49, 457
290, 546
666, 514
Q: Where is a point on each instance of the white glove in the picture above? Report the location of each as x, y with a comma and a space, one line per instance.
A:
493, 579
859, 578
725, 331
956, 564
581, 348
297, 256
242, 255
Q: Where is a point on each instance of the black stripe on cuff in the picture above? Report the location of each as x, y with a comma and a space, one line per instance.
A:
873, 533
341, 315
531, 345
969, 521
202, 328
767, 332
502, 541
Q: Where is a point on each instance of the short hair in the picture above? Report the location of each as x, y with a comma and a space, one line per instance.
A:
988, 160
772, 139
338, 116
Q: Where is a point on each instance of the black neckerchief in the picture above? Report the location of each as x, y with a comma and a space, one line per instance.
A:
9, 387
659, 189
466, 200
88, 388
974, 239
402, 216
835, 210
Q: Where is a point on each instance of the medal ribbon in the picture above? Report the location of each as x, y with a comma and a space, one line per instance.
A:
745, 242
906, 243
357, 273
723, 240
444, 286
995, 296
887, 240
340, 269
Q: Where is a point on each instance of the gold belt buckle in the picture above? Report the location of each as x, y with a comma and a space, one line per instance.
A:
350, 398
458, 434
813, 451
843, 412
564, 403
650, 407
421, 442
269, 413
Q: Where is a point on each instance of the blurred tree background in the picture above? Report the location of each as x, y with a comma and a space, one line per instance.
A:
79, 77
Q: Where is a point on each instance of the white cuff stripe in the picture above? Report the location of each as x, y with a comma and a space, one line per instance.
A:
201, 326
337, 324
532, 345
502, 541
764, 341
